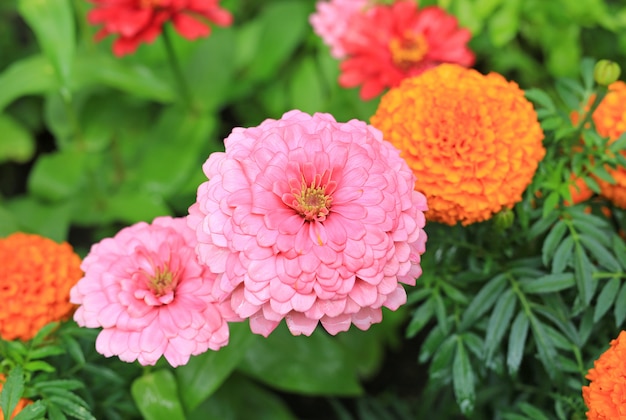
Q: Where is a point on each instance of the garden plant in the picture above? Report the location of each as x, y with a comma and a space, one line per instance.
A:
299, 209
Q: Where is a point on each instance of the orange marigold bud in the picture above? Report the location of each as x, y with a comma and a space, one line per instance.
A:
23, 402
36, 275
606, 394
472, 140
610, 121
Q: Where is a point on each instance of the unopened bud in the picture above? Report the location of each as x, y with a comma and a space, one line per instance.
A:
504, 219
606, 72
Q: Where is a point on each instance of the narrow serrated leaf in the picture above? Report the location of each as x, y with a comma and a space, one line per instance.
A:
607, 296
552, 241
563, 255
483, 301
421, 317
620, 310
463, 380
517, 342
549, 283
545, 347
499, 322
12, 391
600, 253
583, 274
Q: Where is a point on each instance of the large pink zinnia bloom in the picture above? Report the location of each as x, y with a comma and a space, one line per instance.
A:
147, 290
137, 21
330, 21
310, 220
389, 43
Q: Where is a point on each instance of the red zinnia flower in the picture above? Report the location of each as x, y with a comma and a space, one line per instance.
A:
137, 21
389, 43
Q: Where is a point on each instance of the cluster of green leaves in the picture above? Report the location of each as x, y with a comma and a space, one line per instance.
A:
541, 35
514, 319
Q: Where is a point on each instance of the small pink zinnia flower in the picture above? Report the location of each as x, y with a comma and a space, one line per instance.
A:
330, 21
389, 43
310, 220
147, 290
137, 21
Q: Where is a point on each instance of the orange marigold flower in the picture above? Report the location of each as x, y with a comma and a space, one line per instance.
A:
36, 275
579, 190
610, 121
606, 394
23, 402
472, 140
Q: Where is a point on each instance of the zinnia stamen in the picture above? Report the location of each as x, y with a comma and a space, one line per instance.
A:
408, 50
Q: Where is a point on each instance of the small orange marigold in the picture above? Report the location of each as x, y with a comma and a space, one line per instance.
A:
23, 402
610, 121
36, 275
472, 140
606, 394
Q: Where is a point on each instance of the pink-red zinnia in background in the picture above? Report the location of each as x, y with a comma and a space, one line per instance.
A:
311, 220
137, 21
331, 20
388, 43
151, 296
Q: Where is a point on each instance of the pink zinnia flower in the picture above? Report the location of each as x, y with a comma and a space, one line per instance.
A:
147, 290
310, 220
137, 21
330, 21
389, 43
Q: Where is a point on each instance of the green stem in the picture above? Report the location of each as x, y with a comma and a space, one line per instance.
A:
183, 87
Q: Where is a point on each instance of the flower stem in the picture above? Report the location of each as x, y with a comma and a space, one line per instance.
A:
183, 87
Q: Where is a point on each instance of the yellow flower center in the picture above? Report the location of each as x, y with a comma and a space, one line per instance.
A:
162, 282
312, 201
408, 50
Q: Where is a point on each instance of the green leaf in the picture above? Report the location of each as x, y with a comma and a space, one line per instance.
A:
8, 223
32, 411
239, 398
431, 344
43, 333
454, 293
563, 255
55, 384
619, 249
204, 374
532, 412
550, 203
549, 283
177, 147
32, 75
137, 79
545, 347
16, 143
606, 298
53, 24
39, 365
420, 318
517, 342
70, 407
440, 312
46, 351
439, 368
553, 239
620, 310
542, 224
463, 380
499, 322
541, 98
483, 301
12, 391
583, 273
504, 23
305, 87
156, 396
600, 253
58, 175
316, 365
278, 37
